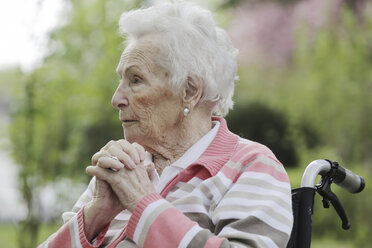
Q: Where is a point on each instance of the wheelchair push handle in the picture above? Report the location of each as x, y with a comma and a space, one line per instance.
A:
332, 172
348, 180
340, 175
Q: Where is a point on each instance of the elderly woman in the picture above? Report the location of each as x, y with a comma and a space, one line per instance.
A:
180, 178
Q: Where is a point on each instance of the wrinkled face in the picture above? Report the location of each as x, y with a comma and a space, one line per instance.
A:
147, 107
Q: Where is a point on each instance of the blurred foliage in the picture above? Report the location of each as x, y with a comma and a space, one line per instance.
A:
334, 73
8, 233
326, 94
325, 91
62, 112
260, 123
234, 3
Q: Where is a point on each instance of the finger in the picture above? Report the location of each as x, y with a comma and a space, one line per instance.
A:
108, 176
141, 151
98, 155
122, 156
109, 144
99, 173
141, 173
109, 163
130, 149
150, 168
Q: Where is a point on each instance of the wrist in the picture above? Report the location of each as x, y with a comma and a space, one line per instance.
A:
132, 206
96, 219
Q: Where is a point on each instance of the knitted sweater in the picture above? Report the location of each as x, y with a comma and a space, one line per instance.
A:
237, 194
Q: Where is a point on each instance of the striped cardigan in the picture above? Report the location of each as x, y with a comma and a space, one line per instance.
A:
237, 194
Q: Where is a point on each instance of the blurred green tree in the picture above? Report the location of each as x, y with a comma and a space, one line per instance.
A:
62, 112
326, 93
327, 87
332, 82
260, 123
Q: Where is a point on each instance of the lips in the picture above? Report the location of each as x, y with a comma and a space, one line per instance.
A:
128, 123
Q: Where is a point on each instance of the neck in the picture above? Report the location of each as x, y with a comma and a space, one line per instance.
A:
178, 141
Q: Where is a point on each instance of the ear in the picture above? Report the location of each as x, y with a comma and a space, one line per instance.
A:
192, 91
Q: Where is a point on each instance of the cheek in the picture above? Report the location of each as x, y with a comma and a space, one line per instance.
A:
145, 101
154, 98
144, 107
159, 108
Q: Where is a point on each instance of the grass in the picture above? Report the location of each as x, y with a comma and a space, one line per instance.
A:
329, 243
8, 234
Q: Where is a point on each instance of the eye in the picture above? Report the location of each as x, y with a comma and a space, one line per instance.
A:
136, 80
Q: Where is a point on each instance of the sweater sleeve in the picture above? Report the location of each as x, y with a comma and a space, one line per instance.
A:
72, 234
255, 211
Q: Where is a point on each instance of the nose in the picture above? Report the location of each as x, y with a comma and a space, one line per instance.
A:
119, 99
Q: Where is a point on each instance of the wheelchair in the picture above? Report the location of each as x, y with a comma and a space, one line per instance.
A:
303, 197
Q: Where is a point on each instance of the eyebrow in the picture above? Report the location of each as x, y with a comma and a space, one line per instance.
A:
120, 71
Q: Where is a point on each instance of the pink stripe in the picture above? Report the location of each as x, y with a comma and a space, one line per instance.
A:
62, 238
247, 153
213, 242
202, 174
229, 173
137, 213
118, 239
163, 233
83, 239
268, 169
239, 156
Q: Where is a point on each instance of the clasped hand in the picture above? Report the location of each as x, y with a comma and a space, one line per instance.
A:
122, 178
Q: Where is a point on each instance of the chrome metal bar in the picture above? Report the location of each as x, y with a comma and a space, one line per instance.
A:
315, 168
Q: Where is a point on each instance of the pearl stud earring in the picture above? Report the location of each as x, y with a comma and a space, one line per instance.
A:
186, 111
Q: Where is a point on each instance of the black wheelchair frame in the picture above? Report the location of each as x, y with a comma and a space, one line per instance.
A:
303, 197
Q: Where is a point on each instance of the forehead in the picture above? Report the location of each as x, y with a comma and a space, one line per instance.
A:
144, 53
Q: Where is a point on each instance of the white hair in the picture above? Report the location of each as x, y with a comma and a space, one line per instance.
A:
194, 47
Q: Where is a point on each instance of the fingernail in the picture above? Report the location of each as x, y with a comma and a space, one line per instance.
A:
132, 165
143, 156
137, 158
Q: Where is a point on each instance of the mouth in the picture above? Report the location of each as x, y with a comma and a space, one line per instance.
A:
128, 122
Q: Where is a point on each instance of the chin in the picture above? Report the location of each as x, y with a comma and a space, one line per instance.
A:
129, 137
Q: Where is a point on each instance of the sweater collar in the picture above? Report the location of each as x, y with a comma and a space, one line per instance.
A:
220, 150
